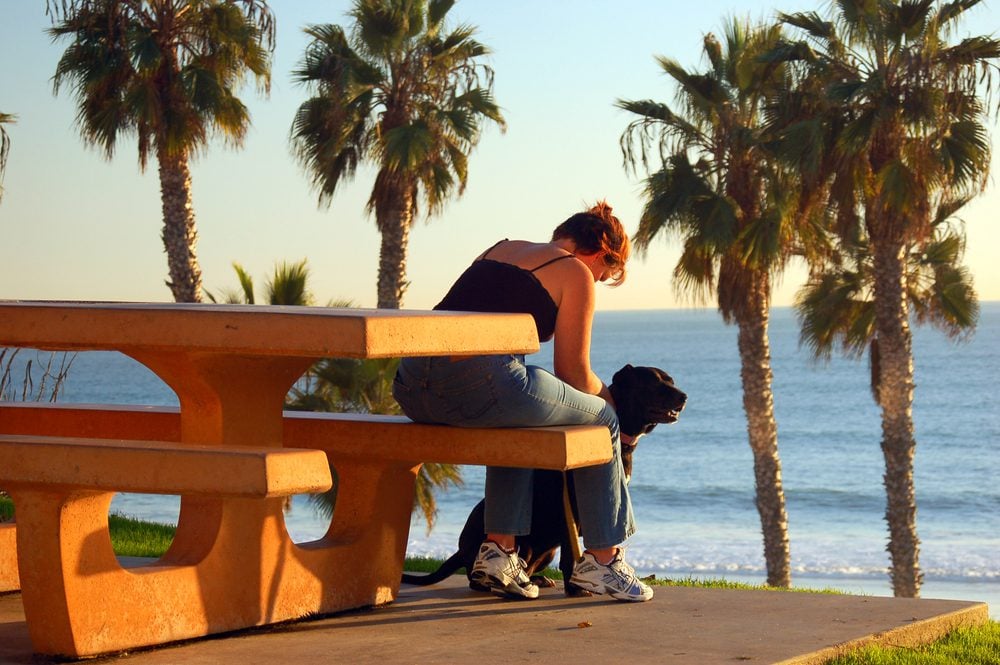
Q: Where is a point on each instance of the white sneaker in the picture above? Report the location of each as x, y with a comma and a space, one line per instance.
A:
504, 572
617, 579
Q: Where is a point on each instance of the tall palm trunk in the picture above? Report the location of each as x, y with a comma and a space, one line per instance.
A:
179, 235
895, 397
758, 402
394, 214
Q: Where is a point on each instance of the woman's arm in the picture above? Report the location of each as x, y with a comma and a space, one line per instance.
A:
571, 353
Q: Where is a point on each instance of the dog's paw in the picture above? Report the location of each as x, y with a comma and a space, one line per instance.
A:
542, 582
573, 591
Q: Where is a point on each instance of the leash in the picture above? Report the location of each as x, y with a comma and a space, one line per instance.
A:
571, 529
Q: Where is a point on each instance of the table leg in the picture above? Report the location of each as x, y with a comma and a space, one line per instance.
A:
9, 580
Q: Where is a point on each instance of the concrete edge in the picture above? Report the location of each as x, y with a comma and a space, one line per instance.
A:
918, 633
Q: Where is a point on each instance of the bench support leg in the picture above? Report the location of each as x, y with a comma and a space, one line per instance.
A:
9, 579
243, 571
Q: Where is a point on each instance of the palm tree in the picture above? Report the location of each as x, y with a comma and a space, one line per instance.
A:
5, 119
910, 132
739, 214
167, 73
288, 285
400, 91
836, 306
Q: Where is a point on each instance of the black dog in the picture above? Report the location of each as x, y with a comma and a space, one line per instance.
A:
644, 397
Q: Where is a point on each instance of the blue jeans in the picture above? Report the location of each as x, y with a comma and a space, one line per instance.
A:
501, 391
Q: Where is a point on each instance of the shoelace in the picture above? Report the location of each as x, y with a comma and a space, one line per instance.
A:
522, 572
623, 570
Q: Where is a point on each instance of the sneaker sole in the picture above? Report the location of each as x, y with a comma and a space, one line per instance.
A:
481, 578
602, 589
511, 589
504, 592
498, 587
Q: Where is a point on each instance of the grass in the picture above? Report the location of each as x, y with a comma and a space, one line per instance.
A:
132, 537
129, 536
978, 645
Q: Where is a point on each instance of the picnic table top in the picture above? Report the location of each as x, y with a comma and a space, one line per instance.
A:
272, 330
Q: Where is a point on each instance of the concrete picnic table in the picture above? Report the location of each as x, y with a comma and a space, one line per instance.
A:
232, 564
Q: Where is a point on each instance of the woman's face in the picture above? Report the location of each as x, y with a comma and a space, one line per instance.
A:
599, 266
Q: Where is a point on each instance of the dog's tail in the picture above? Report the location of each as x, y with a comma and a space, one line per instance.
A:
447, 568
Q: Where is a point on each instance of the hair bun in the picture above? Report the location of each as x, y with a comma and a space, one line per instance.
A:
602, 209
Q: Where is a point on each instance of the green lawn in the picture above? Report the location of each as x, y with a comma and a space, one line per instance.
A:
129, 536
132, 537
965, 646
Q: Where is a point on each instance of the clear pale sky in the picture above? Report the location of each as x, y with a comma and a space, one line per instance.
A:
76, 226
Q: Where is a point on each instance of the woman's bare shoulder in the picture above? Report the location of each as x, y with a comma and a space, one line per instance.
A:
523, 253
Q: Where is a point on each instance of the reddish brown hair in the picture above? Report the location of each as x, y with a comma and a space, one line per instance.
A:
595, 230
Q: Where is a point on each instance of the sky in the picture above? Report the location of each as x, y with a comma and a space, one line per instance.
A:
76, 226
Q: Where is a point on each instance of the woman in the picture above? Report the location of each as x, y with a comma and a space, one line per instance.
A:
554, 282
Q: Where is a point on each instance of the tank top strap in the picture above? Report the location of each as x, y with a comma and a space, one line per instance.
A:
495, 245
558, 258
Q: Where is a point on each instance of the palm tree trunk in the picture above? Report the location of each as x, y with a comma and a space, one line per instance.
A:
895, 397
394, 214
758, 402
179, 235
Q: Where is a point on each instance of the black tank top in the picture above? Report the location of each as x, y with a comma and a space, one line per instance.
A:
493, 286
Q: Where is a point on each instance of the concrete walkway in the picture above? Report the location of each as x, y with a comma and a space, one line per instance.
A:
447, 623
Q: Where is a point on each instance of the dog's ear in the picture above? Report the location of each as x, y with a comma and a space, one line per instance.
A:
626, 369
628, 449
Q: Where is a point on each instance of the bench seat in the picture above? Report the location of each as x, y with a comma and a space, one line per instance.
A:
347, 435
158, 467
398, 437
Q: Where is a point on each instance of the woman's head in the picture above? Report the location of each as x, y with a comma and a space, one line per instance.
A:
598, 230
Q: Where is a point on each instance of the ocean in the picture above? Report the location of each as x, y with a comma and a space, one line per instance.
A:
693, 487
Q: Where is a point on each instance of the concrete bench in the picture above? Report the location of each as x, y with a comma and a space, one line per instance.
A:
344, 435
62, 489
156, 467
373, 460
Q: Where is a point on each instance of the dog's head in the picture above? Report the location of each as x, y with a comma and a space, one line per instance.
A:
644, 398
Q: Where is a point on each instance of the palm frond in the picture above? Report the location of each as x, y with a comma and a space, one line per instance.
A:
809, 22
437, 10
909, 19
949, 12
658, 126
965, 152
408, 146
288, 285
246, 283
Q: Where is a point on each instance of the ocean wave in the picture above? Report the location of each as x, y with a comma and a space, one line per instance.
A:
712, 569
